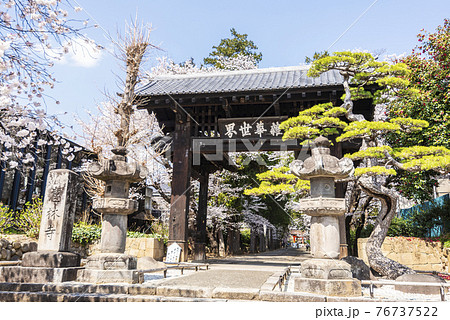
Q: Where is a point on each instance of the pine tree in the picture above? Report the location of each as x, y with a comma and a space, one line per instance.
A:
238, 46
377, 160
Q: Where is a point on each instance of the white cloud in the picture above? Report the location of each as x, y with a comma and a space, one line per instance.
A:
82, 53
394, 57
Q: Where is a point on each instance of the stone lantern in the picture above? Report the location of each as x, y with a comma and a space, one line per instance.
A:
324, 273
115, 206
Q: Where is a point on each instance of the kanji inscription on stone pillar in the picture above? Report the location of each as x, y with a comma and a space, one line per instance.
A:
58, 211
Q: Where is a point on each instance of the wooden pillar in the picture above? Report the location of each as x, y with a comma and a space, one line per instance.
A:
30, 185
48, 156
200, 241
179, 202
2, 177
340, 193
15, 191
59, 158
83, 201
32, 177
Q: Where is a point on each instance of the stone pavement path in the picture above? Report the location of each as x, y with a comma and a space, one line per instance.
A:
249, 271
222, 278
275, 260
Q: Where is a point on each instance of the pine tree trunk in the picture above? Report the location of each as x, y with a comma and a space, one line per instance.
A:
377, 261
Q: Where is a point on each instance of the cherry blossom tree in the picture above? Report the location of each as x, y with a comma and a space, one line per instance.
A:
117, 123
32, 35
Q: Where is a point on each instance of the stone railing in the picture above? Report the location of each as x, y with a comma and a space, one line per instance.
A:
416, 253
12, 247
138, 247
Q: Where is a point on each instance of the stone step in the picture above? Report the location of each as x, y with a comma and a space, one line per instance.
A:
80, 288
72, 292
27, 296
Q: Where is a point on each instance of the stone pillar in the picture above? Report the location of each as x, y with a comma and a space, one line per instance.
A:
58, 213
114, 233
324, 274
324, 237
52, 262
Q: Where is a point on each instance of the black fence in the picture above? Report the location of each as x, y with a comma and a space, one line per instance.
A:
20, 185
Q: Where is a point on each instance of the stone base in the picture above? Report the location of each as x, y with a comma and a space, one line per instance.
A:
111, 261
325, 269
110, 276
418, 277
328, 287
37, 274
51, 259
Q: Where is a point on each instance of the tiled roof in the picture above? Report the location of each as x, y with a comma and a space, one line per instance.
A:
238, 81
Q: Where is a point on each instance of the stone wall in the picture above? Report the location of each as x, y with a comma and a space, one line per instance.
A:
416, 253
138, 247
12, 247
145, 247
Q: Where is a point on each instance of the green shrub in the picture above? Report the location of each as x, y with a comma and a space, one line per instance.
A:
136, 234
28, 220
245, 239
6, 219
424, 220
161, 231
84, 233
401, 227
445, 239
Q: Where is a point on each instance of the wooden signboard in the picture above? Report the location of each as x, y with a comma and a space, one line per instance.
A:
251, 128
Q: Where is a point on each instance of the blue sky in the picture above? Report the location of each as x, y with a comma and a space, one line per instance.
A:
285, 32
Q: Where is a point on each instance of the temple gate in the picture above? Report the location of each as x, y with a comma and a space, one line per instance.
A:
209, 115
